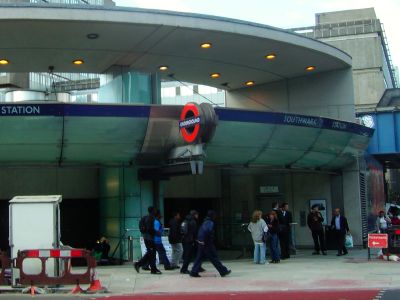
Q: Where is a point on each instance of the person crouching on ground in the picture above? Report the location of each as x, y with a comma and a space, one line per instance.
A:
206, 247
273, 228
258, 227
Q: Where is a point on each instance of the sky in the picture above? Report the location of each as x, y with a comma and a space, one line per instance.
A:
284, 13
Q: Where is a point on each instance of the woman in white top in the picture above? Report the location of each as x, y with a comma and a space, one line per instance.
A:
257, 227
382, 222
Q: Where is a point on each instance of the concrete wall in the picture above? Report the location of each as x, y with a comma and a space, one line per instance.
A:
369, 87
306, 187
328, 94
352, 202
368, 76
71, 183
346, 15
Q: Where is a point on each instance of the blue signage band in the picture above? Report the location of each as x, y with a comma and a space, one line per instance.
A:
143, 111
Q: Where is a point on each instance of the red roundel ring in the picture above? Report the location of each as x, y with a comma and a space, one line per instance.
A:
190, 110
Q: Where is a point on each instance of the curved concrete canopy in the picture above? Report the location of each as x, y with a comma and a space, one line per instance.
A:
87, 134
36, 37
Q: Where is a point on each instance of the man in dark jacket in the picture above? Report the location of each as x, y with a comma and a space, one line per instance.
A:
189, 230
175, 239
314, 222
206, 247
341, 227
148, 235
285, 219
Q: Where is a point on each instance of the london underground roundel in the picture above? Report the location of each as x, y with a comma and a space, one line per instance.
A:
189, 122
197, 122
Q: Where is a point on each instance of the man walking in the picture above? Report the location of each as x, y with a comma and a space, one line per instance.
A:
189, 230
159, 230
175, 239
146, 227
206, 247
340, 226
285, 218
314, 222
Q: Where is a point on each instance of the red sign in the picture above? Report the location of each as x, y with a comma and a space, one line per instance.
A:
377, 240
189, 123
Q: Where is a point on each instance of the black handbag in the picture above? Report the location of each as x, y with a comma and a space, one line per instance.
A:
266, 237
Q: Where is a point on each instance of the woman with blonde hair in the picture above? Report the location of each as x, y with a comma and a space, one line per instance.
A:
258, 228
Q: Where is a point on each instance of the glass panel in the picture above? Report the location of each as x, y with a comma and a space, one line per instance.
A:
278, 157
282, 145
29, 152
294, 137
30, 139
128, 87
103, 138
242, 134
230, 155
314, 160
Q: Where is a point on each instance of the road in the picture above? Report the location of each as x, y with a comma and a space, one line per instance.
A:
282, 295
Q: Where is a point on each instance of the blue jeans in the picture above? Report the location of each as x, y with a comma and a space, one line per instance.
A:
208, 251
162, 255
274, 247
259, 253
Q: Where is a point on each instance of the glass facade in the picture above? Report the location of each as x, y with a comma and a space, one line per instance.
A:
128, 87
180, 93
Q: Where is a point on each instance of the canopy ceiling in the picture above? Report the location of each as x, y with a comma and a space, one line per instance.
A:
36, 37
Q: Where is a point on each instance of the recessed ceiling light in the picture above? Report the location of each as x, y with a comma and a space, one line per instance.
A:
4, 61
78, 62
92, 36
250, 83
215, 75
270, 56
163, 68
206, 45
310, 68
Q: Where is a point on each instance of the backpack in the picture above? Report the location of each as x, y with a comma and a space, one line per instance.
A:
146, 225
142, 224
184, 227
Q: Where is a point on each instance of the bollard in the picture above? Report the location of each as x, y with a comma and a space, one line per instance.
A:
130, 248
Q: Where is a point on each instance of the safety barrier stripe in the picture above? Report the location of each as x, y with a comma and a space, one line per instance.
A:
54, 253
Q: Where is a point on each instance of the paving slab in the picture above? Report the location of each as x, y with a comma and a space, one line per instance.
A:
302, 272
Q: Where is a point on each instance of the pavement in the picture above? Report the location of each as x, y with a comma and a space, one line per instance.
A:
303, 276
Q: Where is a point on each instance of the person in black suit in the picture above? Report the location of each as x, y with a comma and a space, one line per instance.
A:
315, 223
285, 218
341, 227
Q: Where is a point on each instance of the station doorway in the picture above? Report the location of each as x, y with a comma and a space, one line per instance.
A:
185, 205
264, 202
